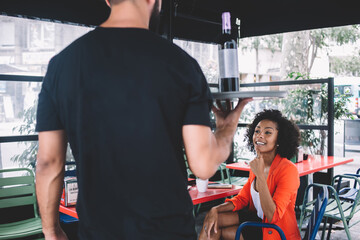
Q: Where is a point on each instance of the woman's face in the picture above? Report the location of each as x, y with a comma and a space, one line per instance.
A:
265, 136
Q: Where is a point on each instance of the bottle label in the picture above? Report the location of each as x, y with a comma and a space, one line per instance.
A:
228, 63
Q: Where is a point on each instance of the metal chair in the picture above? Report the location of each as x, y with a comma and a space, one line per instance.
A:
316, 216
15, 192
238, 181
336, 209
349, 193
258, 224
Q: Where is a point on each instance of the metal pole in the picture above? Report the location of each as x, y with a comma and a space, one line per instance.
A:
344, 121
331, 117
330, 125
170, 35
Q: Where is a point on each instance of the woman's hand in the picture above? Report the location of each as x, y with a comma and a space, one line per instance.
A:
257, 165
211, 222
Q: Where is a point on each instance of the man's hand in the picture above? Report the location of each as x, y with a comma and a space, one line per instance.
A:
227, 118
58, 234
206, 150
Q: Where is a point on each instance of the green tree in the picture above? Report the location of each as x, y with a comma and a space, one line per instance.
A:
301, 48
271, 42
308, 105
345, 66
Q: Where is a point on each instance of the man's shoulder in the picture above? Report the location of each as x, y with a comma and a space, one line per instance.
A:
175, 50
77, 44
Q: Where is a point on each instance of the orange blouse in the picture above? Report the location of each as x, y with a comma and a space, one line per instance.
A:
283, 182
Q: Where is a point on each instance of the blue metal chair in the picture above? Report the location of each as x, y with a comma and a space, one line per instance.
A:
317, 214
258, 224
336, 209
312, 227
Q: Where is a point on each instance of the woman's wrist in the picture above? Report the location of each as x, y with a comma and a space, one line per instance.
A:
261, 178
225, 207
215, 209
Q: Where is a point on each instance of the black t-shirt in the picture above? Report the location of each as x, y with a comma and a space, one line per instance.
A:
122, 95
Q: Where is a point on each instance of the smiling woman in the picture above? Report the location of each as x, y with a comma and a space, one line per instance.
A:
270, 193
287, 137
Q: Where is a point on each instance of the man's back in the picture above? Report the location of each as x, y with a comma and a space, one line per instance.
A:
122, 96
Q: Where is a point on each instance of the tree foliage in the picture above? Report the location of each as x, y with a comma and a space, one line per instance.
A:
345, 66
271, 42
309, 105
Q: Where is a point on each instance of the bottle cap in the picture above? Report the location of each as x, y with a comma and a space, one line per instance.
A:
226, 23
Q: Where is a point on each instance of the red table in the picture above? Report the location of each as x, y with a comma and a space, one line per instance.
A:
197, 197
71, 211
212, 194
313, 164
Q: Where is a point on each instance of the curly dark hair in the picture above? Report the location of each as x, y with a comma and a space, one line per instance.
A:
288, 132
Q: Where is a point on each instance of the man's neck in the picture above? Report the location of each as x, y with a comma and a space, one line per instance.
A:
127, 15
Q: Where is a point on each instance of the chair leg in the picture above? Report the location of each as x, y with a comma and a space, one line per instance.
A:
329, 231
302, 213
324, 228
228, 175
346, 226
196, 209
222, 176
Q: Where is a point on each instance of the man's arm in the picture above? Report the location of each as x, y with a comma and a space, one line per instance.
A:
206, 150
49, 180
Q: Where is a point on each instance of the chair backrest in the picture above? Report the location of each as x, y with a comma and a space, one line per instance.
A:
358, 175
317, 214
18, 190
260, 225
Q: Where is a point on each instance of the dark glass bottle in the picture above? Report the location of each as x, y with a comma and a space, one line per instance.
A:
228, 58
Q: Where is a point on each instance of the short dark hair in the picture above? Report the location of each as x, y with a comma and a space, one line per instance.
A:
288, 132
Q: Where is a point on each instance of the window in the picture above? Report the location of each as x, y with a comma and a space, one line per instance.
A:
7, 33
206, 55
26, 46
41, 35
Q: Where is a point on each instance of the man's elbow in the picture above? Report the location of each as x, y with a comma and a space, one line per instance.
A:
203, 171
45, 164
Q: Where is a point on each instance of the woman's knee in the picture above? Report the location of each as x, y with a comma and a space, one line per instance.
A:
228, 219
229, 232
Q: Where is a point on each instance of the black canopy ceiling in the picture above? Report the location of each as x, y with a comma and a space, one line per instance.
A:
200, 19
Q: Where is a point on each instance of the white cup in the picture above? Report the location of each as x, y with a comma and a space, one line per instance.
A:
201, 184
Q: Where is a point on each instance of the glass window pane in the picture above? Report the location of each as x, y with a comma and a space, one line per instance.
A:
26, 49
18, 108
26, 46
19, 154
206, 55
22, 154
